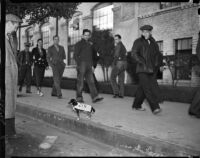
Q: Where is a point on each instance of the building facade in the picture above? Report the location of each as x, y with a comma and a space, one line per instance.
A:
176, 27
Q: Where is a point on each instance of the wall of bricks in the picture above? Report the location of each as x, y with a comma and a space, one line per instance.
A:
146, 8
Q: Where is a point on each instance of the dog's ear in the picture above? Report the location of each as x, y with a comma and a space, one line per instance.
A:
71, 101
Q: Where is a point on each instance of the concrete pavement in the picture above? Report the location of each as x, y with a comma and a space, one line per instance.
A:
33, 132
173, 132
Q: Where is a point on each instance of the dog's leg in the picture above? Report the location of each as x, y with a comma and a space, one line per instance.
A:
89, 115
78, 115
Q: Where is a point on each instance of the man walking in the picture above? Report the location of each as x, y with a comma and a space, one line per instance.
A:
25, 72
11, 75
145, 52
56, 59
118, 68
84, 60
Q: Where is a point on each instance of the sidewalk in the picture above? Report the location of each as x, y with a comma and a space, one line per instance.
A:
171, 132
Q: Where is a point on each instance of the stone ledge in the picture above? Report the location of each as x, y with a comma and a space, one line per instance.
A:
167, 10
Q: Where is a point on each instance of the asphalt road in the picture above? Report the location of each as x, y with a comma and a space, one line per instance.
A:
32, 134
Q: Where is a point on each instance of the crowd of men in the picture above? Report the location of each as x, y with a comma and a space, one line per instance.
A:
145, 52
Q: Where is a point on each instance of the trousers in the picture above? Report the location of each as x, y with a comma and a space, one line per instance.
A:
118, 70
39, 75
25, 73
147, 88
58, 70
84, 70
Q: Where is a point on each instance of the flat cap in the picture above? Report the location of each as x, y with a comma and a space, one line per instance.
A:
14, 18
27, 44
146, 27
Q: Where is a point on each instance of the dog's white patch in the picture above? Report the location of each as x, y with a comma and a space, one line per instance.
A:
82, 106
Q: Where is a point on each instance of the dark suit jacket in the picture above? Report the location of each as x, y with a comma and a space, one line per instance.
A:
55, 57
83, 52
22, 58
147, 56
38, 59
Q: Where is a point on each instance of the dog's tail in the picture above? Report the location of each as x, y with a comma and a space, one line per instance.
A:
93, 110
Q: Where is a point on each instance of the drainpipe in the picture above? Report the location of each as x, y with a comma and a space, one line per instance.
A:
19, 37
56, 25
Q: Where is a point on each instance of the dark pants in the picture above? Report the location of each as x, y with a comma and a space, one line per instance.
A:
84, 70
118, 70
146, 89
25, 73
95, 82
39, 76
58, 70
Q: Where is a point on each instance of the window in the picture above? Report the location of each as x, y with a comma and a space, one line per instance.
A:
164, 5
29, 36
160, 45
183, 54
103, 18
45, 35
74, 36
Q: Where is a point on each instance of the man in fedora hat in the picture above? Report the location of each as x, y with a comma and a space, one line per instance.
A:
145, 52
25, 61
11, 74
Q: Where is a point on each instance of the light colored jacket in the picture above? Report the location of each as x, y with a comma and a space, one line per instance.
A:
11, 77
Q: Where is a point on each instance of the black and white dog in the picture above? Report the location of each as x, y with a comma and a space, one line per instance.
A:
81, 107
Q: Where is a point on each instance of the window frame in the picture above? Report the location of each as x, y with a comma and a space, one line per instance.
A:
178, 53
98, 17
44, 32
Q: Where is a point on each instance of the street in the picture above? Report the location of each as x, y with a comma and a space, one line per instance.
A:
33, 132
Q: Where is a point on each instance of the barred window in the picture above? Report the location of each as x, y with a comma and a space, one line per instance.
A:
103, 17
45, 35
160, 73
183, 54
160, 45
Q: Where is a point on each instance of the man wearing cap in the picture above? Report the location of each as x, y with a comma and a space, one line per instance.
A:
11, 74
145, 52
25, 59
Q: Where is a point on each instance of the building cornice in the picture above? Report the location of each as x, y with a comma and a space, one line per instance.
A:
167, 10
87, 17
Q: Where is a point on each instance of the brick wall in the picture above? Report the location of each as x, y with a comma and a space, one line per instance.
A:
145, 8
179, 23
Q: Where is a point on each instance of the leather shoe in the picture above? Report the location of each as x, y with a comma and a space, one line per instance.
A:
121, 96
97, 99
156, 111
115, 96
60, 97
28, 92
53, 95
20, 88
139, 109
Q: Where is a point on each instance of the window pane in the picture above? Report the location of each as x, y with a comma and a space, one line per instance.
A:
103, 17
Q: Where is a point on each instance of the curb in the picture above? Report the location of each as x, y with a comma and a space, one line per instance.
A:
108, 135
